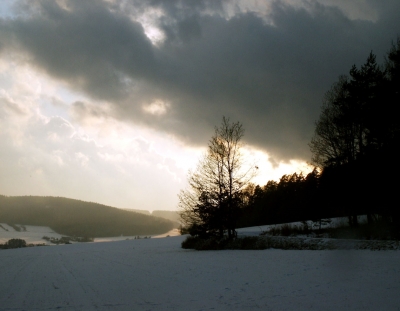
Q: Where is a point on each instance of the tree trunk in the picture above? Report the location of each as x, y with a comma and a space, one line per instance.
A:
350, 221
370, 219
355, 221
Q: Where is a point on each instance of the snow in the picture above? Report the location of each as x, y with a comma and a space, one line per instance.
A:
157, 274
173, 232
33, 234
334, 222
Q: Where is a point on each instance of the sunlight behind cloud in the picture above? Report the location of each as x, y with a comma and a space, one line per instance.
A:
148, 18
66, 134
114, 101
94, 147
269, 169
158, 107
64, 5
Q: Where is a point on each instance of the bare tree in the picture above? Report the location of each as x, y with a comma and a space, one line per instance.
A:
333, 138
212, 201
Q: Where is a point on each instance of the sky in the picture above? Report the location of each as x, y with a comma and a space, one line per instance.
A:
113, 101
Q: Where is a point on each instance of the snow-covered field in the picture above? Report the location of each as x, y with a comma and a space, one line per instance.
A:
157, 274
35, 234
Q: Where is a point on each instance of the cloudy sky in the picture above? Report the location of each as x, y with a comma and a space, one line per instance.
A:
112, 101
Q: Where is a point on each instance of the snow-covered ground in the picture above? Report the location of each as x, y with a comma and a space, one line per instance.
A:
334, 222
35, 234
173, 232
157, 274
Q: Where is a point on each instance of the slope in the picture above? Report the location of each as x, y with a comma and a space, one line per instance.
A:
78, 218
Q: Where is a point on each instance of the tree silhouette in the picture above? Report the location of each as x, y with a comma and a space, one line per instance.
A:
357, 136
351, 123
210, 206
331, 143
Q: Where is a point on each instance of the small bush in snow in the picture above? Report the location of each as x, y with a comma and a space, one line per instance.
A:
213, 243
14, 243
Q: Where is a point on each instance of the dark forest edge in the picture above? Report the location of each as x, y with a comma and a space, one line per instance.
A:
77, 218
18, 243
354, 152
286, 243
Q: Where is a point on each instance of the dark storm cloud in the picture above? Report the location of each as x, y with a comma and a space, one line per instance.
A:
269, 72
86, 45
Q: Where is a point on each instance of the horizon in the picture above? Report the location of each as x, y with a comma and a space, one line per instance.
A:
99, 203
114, 102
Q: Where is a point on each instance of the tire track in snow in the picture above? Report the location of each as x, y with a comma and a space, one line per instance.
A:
15, 267
36, 281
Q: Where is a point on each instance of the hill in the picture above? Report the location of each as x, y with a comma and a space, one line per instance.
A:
141, 211
171, 215
79, 218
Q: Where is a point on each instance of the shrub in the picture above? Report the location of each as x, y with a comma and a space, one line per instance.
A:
379, 230
289, 229
198, 243
183, 230
15, 243
213, 243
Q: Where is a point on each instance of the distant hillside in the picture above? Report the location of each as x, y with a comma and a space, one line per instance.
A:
78, 218
141, 211
171, 215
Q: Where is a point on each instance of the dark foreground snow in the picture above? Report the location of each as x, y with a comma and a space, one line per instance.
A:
156, 274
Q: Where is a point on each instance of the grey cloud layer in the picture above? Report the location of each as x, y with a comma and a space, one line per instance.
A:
269, 72
48, 157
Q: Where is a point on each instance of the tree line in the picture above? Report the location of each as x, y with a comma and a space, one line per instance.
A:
354, 152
